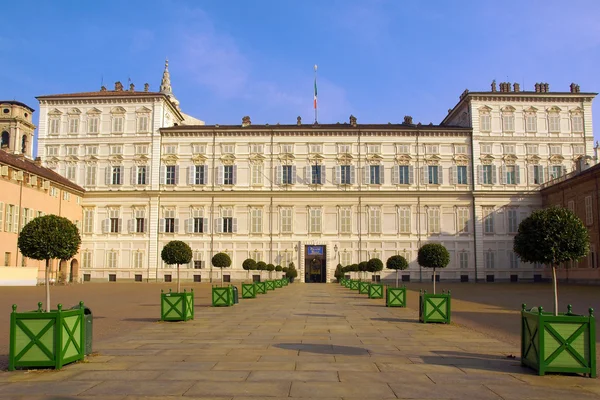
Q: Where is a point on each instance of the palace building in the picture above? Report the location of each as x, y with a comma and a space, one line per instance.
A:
312, 194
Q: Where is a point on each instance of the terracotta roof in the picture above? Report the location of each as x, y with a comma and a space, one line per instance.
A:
18, 103
30, 166
106, 93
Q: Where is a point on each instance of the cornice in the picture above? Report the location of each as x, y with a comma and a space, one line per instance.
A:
303, 133
95, 101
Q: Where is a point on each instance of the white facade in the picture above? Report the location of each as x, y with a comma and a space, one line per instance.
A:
269, 191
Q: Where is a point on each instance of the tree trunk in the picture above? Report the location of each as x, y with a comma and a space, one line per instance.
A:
555, 290
397, 272
221, 277
178, 284
47, 286
434, 281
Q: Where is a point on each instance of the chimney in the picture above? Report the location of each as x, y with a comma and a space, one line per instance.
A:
103, 88
131, 87
407, 120
246, 121
537, 87
146, 87
118, 86
494, 86
352, 120
517, 87
38, 161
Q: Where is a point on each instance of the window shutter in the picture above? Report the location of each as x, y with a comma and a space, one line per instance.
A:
189, 225
503, 174
530, 174
1, 216
381, 174
337, 174
121, 171
105, 225
163, 174
440, 175
148, 175
480, 174
425, 175
517, 174
132, 176
352, 174
191, 175
395, 175
469, 177
220, 170
16, 220
411, 175
145, 225
176, 227
494, 175
119, 225
294, 175
323, 175
177, 174
278, 175
107, 173
131, 225
218, 225
161, 226
542, 175
564, 170
205, 225
454, 175
366, 177
235, 174
307, 176
234, 225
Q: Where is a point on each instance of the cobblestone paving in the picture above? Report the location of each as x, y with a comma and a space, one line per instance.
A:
300, 341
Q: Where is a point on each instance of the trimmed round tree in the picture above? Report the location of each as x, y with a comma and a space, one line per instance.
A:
362, 267
249, 264
278, 268
176, 252
221, 260
353, 268
375, 265
398, 263
261, 266
270, 268
339, 272
292, 273
47, 238
433, 255
552, 236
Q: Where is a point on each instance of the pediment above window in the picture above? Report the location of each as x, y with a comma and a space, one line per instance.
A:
374, 159
141, 158
53, 160
228, 159
485, 109
199, 159
533, 159
531, 110
257, 158
508, 109
509, 159
556, 159
315, 158
118, 110
170, 159
91, 159
93, 111
55, 112
403, 159
344, 159
115, 159
432, 159
576, 111
461, 159
554, 109
71, 159
143, 110
487, 159
286, 157
74, 111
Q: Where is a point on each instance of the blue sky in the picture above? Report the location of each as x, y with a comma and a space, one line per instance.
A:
378, 59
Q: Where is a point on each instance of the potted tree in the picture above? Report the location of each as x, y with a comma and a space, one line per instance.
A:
261, 287
284, 271
222, 296
358, 268
176, 306
375, 265
47, 238
278, 280
248, 289
339, 273
270, 283
249, 265
396, 296
292, 273
555, 342
363, 268
434, 307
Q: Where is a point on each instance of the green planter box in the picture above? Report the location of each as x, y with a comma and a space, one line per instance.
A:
562, 343
278, 284
354, 285
395, 297
342, 282
261, 287
46, 339
222, 296
284, 281
177, 306
376, 291
248, 290
363, 287
270, 285
434, 307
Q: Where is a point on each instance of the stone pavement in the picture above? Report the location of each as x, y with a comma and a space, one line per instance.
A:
301, 341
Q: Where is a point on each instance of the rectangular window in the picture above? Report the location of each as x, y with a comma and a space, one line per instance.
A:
228, 148
374, 220
403, 174
198, 225
345, 175
118, 124
141, 149
91, 150
86, 260
93, 123
90, 174
555, 150
578, 150
73, 125
71, 172
287, 148
530, 123
169, 221
510, 171
485, 122
257, 174
375, 174
142, 175
116, 150
115, 221
571, 205
315, 220
508, 123
286, 220
532, 149
227, 225
589, 216
345, 258
490, 259
488, 174
198, 148
577, 123
72, 150
138, 259
142, 123
256, 220
511, 215
488, 220
432, 149
513, 260
556, 171
7, 257
88, 221
344, 149
461, 175
111, 259
257, 149
460, 149
116, 176
199, 174
315, 174
463, 260
51, 151
433, 175
287, 177
54, 126
170, 149
554, 123
345, 220
462, 216
171, 175
404, 219
373, 149
486, 149
228, 174
509, 149
433, 220
538, 174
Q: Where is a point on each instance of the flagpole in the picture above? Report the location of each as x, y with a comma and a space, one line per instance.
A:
315, 100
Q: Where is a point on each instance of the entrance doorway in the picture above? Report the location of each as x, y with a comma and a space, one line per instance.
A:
315, 264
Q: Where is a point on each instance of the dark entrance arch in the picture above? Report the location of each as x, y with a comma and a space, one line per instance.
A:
5, 140
315, 264
74, 271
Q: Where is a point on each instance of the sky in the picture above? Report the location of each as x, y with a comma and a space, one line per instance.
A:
378, 60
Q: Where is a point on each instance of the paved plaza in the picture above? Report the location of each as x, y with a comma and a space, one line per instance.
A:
302, 341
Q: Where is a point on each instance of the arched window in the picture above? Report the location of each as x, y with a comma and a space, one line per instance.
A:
5, 139
24, 144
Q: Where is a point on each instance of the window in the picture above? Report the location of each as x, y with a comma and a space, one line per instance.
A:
140, 221
433, 172
198, 226
27, 215
257, 149
141, 149
71, 171
228, 148
513, 260
114, 221
486, 149
373, 149
462, 218
404, 219
571, 205
198, 174
463, 260
2, 216
86, 260
433, 220
90, 174
404, 175
403, 149
198, 257
257, 174
344, 149
170, 222
111, 259
198, 148
554, 123
432, 149
488, 220
54, 126
287, 148
228, 175
375, 175
316, 174
141, 176
577, 123
72, 150
227, 221
345, 175
490, 259
73, 125
488, 174
555, 150
287, 174
345, 258
116, 175
142, 123
530, 123
485, 122
117, 124
460, 149
374, 220
578, 150
170, 149
256, 220
461, 175
508, 123
116, 150
315, 220
286, 220
509, 149
66, 196
256, 255
345, 220
510, 174
171, 175
138, 259
556, 171
91, 150
511, 216
51, 151
7, 257
589, 217
92, 126
532, 149
538, 174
